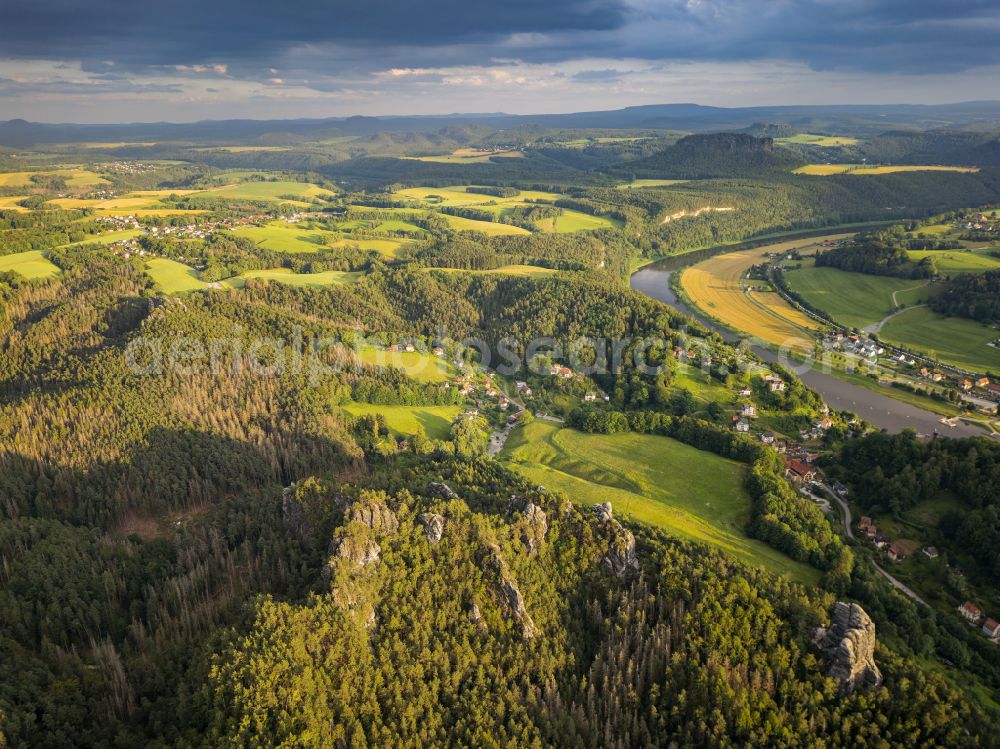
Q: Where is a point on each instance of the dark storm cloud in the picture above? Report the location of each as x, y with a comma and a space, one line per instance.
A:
183, 31
328, 38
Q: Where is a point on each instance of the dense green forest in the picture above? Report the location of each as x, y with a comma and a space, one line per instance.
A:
877, 253
896, 473
714, 155
976, 296
213, 534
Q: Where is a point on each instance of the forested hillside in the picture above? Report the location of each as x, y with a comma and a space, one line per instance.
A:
976, 296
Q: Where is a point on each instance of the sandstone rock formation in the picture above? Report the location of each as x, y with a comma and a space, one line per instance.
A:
533, 522
508, 593
433, 525
371, 510
620, 556
359, 549
849, 642
440, 489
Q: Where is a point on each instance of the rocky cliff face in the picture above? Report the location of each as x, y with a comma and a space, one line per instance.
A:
620, 556
849, 642
533, 522
372, 511
508, 592
433, 525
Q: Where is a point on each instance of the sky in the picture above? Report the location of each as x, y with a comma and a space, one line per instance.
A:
184, 60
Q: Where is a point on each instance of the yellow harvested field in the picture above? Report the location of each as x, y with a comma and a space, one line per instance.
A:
73, 177
717, 287
827, 169
466, 156
458, 223
112, 204
10, 203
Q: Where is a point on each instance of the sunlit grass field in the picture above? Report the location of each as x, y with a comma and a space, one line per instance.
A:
656, 480
827, 169
854, 299
30, 264
291, 238
173, 277
951, 262
953, 340
418, 366
406, 421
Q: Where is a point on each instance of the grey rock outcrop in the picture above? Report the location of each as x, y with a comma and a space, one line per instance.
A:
603, 512
534, 523
292, 514
433, 525
849, 642
361, 550
620, 556
442, 490
509, 594
375, 513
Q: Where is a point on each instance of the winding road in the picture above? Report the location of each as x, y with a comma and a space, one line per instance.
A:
905, 590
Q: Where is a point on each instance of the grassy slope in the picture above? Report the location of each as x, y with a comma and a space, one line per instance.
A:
30, 264
282, 237
417, 366
173, 277
951, 262
655, 480
952, 340
432, 421
284, 275
269, 190
853, 299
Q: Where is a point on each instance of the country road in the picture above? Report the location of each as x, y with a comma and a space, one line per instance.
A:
874, 328
499, 438
905, 590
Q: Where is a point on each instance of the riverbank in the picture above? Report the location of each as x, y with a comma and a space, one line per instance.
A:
879, 409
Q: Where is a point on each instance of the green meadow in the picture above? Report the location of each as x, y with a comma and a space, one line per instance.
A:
416, 365
854, 299
953, 340
291, 238
406, 421
826, 141
572, 221
490, 228
388, 248
74, 178
276, 191
30, 264
656, 480
284, 275
173, 277
952, 262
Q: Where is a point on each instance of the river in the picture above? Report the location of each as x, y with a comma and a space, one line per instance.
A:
881, 410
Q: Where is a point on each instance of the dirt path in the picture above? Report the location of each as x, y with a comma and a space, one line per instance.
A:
876, 327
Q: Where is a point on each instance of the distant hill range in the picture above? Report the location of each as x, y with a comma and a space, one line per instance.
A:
859, 120
961, 147
714, 155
